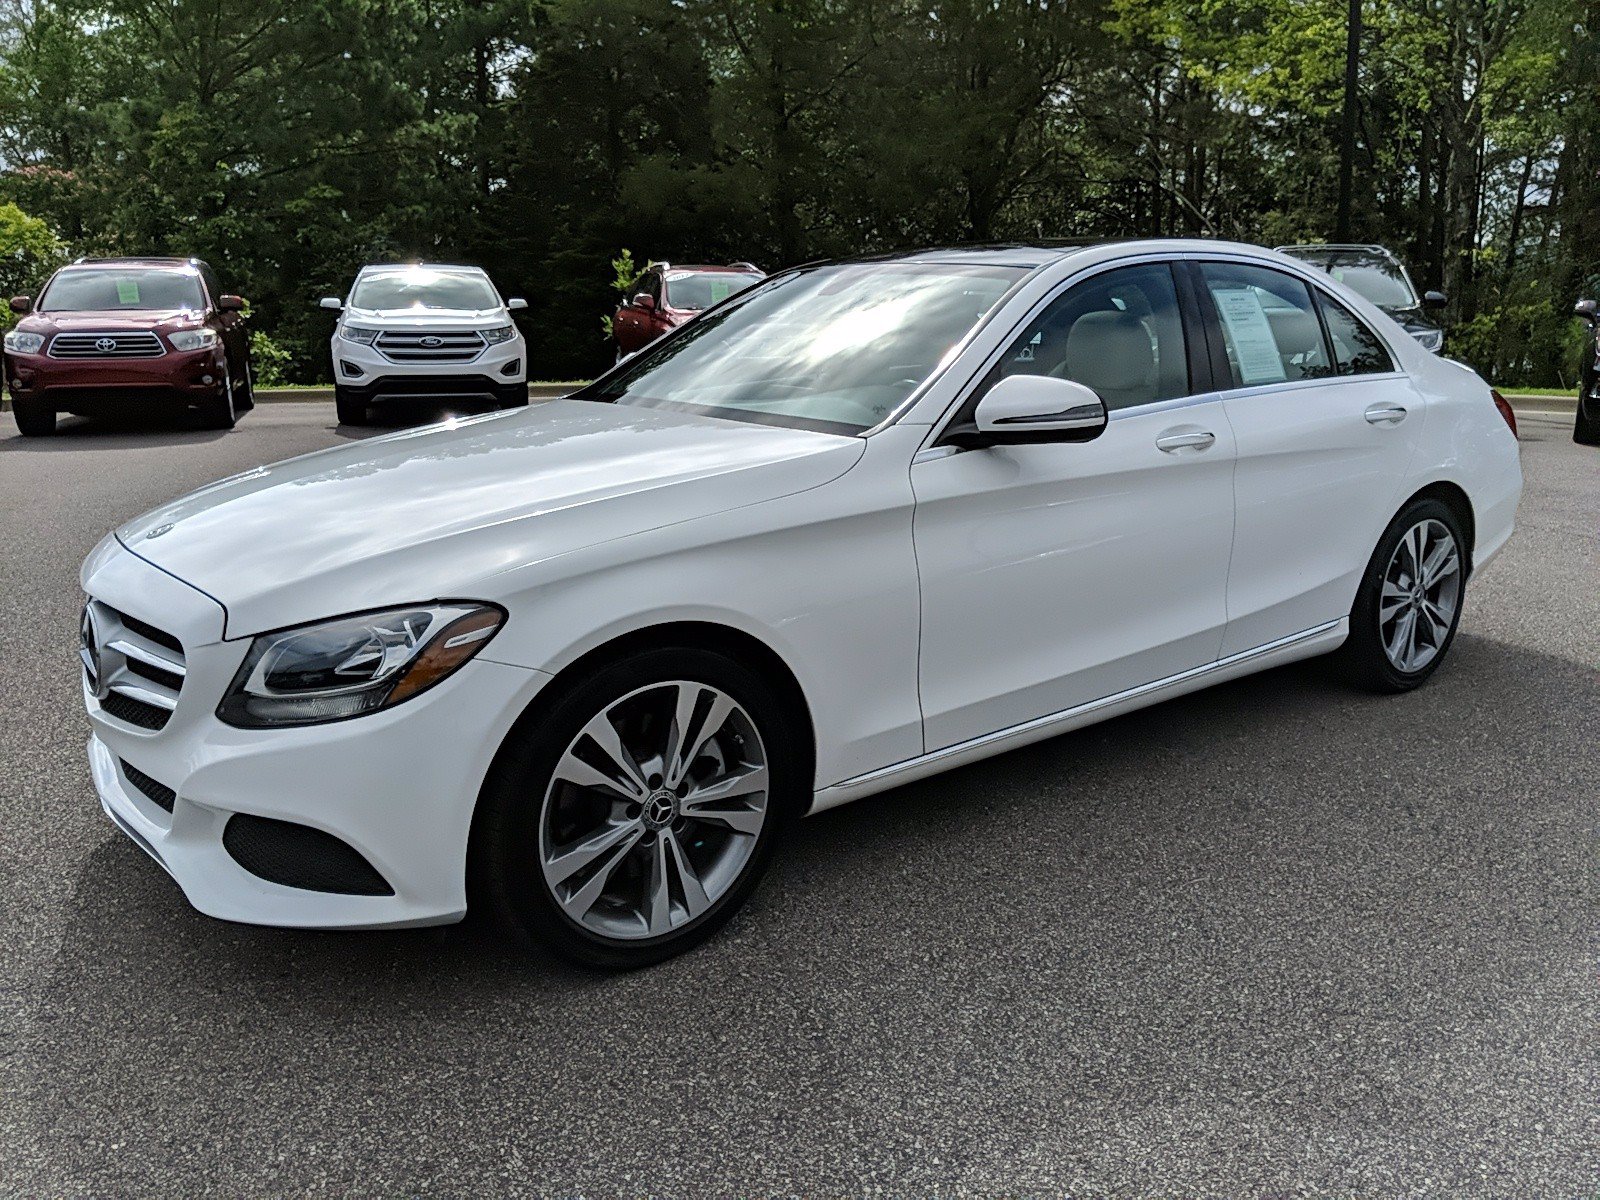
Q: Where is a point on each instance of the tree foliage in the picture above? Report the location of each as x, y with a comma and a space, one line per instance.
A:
290, 141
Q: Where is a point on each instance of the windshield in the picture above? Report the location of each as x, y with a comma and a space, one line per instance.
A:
424, 287
1371, 276
833, 348
696, 290
110, 289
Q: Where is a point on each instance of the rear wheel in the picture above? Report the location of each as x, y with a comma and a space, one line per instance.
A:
246, 399
351, 408
1409, 603
639, 812
34, 419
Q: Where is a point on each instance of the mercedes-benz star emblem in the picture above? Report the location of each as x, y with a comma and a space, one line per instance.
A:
105, 345
89, 652
158, 531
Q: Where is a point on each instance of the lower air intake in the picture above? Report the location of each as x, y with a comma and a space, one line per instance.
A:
299, 856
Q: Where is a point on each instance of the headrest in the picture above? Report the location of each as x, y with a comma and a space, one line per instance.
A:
1112, 353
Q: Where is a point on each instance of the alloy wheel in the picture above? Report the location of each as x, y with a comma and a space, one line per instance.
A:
653, 810
1420, 595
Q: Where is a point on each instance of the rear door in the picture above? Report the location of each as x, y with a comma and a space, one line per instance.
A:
1326, 427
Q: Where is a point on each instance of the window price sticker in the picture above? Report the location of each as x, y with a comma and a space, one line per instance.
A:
1255, 350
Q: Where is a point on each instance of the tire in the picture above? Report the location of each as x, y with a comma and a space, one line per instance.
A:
33, 419
515, 397
1382, 653
351, 408
543, 801
1586, 428
246, 399
221, 413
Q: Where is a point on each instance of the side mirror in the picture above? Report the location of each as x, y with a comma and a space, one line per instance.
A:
516, 304
332, 302
1589, 310
1023, 410
24, 304
230, 303
644, 300
1434, 300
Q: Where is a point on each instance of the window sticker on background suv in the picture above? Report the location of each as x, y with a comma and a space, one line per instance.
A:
1255, 350
720, 290
127, 291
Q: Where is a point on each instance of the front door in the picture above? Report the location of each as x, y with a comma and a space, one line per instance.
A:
1055, 575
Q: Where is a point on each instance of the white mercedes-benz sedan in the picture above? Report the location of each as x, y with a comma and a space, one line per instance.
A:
861, 523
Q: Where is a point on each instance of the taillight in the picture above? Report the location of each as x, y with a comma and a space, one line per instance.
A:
1504, 406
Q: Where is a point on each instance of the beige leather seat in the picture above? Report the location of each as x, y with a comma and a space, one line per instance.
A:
1112, 353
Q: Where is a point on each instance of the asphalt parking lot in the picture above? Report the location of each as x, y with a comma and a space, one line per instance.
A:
1274, 938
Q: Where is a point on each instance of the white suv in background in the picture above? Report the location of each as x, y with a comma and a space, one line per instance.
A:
424, 331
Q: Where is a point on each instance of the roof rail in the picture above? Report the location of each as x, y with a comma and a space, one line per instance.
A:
748, 265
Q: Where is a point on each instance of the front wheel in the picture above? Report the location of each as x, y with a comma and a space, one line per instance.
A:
33, 419
636, 815
1586, 429
1409, 603
221, 413
352, 410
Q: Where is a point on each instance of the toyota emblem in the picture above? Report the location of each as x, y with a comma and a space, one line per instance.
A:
105, 345
431, 342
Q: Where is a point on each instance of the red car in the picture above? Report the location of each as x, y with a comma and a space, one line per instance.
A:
668, 296
124, 335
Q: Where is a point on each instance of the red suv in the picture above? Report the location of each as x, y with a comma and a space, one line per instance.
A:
668, 296
122, 335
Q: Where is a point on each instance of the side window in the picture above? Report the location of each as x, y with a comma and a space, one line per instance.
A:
1269, 325
1356, 349
1119, 333
653, 285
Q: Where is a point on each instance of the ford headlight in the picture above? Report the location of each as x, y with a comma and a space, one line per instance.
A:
354, 333
24, 343
503, 333
338, 669
194, 339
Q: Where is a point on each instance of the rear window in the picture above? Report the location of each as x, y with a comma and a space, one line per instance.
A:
696, 290
108, 289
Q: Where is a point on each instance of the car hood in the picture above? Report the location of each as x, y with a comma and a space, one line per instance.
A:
428, 318
439, 512
65, 321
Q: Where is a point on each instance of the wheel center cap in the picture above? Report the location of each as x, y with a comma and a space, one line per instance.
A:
660, 810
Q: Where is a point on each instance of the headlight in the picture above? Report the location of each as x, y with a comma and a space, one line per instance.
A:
194, 339
1430, 339
24, 343
354, 333
353, 665
503, 334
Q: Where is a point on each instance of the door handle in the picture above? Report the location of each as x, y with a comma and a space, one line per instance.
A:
1385, 414
1173, 442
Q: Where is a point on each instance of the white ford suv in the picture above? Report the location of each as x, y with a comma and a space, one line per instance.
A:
423, 331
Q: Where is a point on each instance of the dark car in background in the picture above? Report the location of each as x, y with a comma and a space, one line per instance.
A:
127, 336
1377, 275
667, 296
1586, 429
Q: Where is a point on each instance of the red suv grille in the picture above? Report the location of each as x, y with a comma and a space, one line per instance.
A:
106, 345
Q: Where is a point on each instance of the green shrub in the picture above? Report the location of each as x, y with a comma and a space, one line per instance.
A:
269, 361
29, 252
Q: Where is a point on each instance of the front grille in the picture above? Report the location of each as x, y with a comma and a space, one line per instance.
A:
158, 793
135, 712
430, 345
299, 856
135, 668
106, 345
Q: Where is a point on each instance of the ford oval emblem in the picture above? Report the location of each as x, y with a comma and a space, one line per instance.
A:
158, 531
430, 342
105, 345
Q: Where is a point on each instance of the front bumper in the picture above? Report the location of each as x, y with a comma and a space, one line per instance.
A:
116, 384
398, 786
365, 370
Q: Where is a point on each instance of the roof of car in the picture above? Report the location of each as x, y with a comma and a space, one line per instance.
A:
142, 260
1336, 248
1045, 250
464, 268
730, 268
